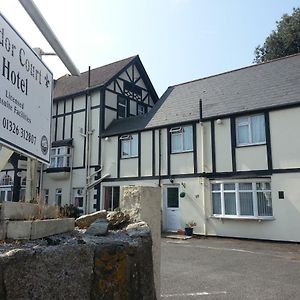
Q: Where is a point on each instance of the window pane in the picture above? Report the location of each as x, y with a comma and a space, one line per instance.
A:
245, 186
243, 134
122, 111
172, 197
52, 162
134, 145
216, 201
176, 142
229, 186
125, 148
229, 202
263, 186
216, 186
264, 204
258, 129
246, 204
60, 162
188, 138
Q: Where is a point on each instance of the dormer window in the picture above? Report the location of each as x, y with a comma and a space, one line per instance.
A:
181, 139
129, 146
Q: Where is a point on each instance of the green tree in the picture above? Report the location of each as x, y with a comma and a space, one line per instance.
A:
283, 41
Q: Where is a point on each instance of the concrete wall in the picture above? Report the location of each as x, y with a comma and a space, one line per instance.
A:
145, 201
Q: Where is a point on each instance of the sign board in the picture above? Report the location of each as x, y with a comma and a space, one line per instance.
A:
25, 96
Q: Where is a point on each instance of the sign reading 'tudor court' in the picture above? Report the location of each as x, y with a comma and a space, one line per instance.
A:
25, 96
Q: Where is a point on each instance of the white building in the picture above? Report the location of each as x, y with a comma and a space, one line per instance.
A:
225, 149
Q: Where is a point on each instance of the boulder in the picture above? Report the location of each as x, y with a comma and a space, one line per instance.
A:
117, 219
86, 220
138, 229
98, 228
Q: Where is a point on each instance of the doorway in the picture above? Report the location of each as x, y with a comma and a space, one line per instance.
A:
171, 208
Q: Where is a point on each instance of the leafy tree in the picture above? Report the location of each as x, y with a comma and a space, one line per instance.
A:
283, 41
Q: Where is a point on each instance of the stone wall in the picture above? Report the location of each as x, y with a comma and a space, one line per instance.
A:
79, 266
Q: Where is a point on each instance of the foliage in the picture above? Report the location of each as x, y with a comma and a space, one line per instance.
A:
70, 211
191, 224
283, 41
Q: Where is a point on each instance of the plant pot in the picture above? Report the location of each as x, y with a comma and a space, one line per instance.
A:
189, 231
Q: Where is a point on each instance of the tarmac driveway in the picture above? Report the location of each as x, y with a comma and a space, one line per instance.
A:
221, 268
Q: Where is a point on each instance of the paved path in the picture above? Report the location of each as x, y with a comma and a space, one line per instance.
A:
217, 268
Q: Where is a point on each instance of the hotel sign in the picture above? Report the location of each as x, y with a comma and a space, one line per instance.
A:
25, 96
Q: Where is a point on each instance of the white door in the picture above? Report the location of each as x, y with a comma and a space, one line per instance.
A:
5, 194
172, 209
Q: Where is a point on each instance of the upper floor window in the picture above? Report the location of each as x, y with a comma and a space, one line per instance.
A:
242, 199
181, 139
122, 107
250, 130
60, 157
6, 180
129, 146
141, 109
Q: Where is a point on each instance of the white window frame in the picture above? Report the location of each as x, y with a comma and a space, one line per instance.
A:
122, 105
58, 193
129, 139
65, 153
248, 123
179, 131
254, 191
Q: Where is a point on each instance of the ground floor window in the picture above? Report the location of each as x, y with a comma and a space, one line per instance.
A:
111, 197
244, 198
58, 196
78, 196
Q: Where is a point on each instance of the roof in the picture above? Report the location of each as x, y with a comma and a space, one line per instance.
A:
70, 85
262, 86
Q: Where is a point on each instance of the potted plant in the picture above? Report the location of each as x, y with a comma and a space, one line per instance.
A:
189, 227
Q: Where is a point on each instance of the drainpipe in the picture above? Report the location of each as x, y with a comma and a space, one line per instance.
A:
159, 157
203, 169
88, 146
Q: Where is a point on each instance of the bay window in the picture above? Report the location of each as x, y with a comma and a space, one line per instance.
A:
60, 157
250, 130
181, 139
242, 199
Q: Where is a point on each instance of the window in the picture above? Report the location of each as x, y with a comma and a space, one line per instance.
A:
250, 130
46, 196
112, 198
6, 180
58, 196
129, 146
122, 107
141, 109
181, 139
242, 199
60, 157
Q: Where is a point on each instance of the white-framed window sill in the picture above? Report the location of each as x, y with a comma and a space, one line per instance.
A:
240, 218
250, 145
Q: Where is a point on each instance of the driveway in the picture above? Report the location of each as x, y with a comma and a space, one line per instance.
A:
221, 268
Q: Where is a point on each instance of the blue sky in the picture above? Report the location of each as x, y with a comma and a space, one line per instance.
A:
177, 40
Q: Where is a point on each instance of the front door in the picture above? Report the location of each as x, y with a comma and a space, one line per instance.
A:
5, 194
172, 210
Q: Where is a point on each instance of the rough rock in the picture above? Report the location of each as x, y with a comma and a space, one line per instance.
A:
56, 272
138, 229
86, 220
117, 219
99, 227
